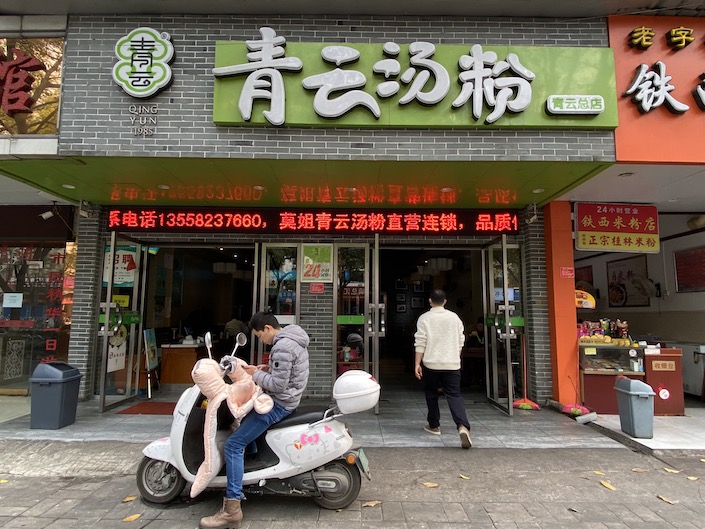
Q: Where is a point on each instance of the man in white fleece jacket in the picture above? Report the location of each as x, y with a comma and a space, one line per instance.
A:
439, 341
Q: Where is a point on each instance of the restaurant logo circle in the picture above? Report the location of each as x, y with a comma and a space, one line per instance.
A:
143, 67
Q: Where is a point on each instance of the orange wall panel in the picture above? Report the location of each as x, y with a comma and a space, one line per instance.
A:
659, 135
562, 316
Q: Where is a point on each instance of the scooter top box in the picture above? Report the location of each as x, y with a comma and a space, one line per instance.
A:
355, 391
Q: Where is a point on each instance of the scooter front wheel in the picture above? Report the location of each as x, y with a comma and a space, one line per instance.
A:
349, 474
159, 481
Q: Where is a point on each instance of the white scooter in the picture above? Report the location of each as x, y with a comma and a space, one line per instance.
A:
309, 453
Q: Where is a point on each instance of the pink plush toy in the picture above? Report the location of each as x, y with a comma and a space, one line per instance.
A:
241, 397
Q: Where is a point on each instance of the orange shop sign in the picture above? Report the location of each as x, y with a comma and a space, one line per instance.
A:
660, 76
616, 228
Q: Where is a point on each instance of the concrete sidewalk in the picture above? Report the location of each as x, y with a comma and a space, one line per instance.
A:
534, 470
60, 485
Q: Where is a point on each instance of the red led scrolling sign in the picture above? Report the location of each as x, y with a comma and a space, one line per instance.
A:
616, 228
345, 221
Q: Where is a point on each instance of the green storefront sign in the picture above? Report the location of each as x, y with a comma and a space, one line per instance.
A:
418, 85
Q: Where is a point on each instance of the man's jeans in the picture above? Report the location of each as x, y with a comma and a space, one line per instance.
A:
251, 427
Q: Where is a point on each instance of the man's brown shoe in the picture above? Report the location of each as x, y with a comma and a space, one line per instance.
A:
228, 517
434, 431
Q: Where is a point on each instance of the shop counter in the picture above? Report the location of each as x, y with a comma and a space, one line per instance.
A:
178, 361
664, 375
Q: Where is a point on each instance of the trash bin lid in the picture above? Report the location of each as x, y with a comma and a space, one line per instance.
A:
632, 386
54, 372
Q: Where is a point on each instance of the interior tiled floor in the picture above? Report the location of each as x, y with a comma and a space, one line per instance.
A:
399, 423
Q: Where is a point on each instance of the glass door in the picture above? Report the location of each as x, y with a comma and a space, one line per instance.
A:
502, 277
279, 290
360, 314
120, 321
351, 297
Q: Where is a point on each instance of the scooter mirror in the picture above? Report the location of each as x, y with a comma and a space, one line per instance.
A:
241, 339
209, 344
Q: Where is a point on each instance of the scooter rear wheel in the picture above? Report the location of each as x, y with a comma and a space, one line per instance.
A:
159, 481
340, 500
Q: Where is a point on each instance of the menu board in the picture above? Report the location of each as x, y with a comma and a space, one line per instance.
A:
690, 269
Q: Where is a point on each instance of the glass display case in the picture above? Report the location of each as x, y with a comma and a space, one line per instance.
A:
611, 359
600, 365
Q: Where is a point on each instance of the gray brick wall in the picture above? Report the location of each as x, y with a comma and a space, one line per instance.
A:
538, 340
94, 118
84, 347
94, 121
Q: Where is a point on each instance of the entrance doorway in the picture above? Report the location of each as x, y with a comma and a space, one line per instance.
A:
378, 292
166, 295
407, 278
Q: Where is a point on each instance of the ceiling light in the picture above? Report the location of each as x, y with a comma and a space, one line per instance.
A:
259, 188
625, 175
446, 190
221, 248
163, 186
673, 200
538, 190
68, 186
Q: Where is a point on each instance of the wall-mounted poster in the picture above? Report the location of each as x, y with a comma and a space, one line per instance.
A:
625, 278
690, 269
318, 263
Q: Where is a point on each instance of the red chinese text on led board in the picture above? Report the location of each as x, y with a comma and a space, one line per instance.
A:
450, 222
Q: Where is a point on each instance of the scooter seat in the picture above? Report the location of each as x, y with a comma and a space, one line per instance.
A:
303, 415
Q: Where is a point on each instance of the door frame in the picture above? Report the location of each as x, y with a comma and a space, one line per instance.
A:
107, 308
503, 334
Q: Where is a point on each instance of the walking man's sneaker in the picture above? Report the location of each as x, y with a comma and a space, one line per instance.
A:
434, 431
465, 440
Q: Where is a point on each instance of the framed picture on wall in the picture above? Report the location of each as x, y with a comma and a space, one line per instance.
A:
419, 287
401, 297
401, 307
624, 280
400, 284
416, 303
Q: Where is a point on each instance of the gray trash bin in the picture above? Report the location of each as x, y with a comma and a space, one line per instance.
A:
635, 401
54, 395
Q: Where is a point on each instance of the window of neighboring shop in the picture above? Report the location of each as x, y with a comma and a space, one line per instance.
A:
37, 297
32, 85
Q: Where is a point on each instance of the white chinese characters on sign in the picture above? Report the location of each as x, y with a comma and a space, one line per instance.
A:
503, 85
265, 80
338, 79
575, 104
651, 88
484, 84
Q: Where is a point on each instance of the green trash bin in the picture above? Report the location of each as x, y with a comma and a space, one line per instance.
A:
54, 387
635, 401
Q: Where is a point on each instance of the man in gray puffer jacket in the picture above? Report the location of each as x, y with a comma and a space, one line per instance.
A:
284, 378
